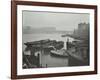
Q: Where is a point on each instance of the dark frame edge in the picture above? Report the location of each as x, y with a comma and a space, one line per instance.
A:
13, 40
56, 75
96, 39
52, 4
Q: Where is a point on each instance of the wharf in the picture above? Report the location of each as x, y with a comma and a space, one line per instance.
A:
76, 60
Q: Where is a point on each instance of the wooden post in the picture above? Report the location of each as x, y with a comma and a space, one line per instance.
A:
38, 60
67, 44
46, 65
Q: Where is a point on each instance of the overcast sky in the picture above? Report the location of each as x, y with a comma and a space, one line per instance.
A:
62, 21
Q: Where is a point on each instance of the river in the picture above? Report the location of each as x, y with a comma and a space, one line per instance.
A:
47, 59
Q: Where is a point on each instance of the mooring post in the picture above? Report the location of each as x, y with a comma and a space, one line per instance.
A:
67, 44
38, 60
46, 65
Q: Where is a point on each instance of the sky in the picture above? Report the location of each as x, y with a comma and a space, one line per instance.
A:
61, 21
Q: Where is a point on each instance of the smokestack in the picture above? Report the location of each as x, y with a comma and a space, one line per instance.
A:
66, 44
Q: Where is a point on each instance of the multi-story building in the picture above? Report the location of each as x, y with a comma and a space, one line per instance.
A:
80, 55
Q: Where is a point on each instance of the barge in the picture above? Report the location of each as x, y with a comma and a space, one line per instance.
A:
45, 44
59, 53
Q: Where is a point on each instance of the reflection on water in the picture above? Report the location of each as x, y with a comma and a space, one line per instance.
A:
52, 61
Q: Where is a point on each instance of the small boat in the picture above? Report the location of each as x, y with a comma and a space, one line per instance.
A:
59, 53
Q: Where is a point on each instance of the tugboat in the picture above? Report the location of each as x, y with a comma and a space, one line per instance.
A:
59, 53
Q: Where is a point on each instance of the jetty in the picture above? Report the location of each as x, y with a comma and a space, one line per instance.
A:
78, 50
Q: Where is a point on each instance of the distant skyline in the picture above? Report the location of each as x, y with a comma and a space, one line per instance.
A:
60, 21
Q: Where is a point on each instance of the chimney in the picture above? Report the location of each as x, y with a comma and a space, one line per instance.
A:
66, 44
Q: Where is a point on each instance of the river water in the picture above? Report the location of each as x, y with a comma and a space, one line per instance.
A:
47, 59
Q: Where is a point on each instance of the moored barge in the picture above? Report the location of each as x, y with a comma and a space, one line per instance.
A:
59, 53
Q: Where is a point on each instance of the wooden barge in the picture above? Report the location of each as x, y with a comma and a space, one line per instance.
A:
45, 44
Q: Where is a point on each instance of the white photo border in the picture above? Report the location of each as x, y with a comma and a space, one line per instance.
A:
21, 71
